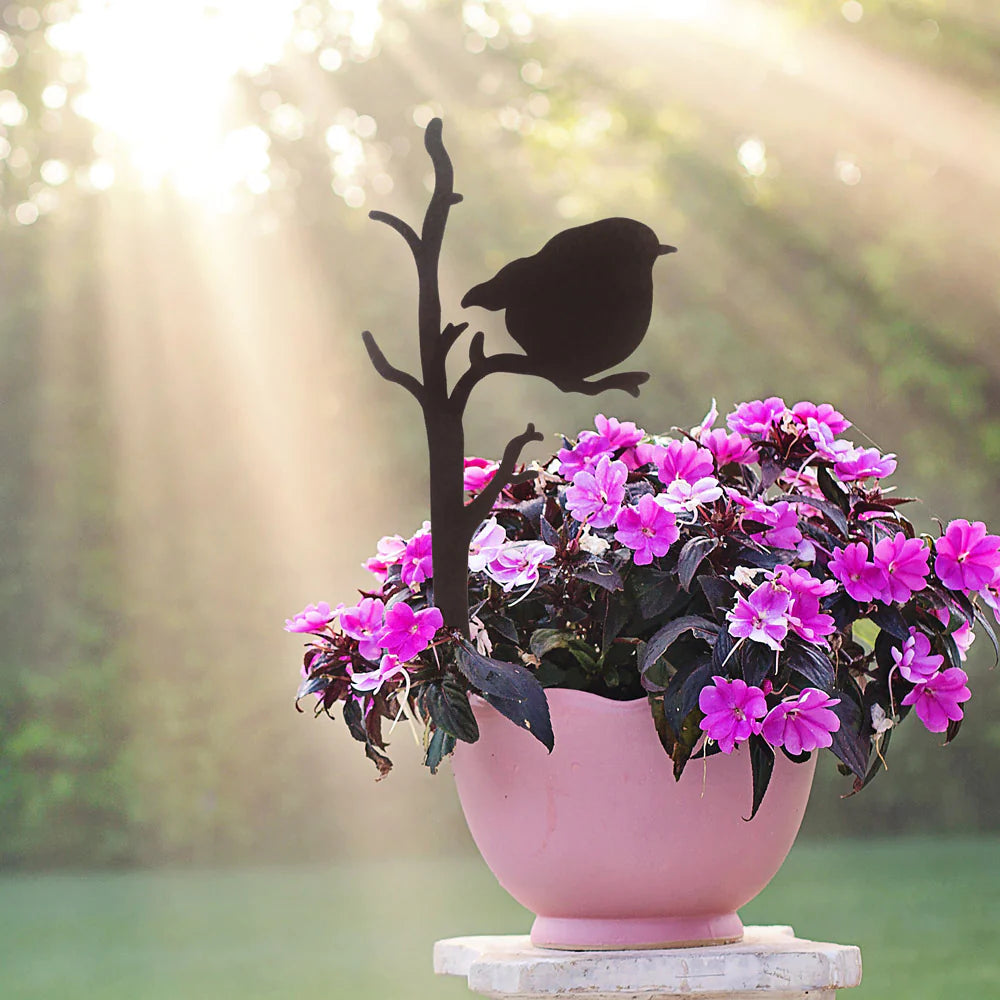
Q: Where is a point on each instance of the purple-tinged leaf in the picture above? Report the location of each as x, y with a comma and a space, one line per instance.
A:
671, 632
691, 557
849, 745
761, 767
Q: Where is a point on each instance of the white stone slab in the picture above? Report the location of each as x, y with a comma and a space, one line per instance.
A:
770, 962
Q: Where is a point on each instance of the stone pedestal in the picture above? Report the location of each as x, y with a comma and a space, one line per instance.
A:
770, 963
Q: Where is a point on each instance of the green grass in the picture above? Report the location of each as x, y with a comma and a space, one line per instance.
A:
925, 912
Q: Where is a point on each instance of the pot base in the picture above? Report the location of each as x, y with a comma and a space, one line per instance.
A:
611, 934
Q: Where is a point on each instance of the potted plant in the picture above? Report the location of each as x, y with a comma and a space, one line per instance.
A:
628, 645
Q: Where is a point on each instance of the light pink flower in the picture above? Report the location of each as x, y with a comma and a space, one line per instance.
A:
596, 498
964, 637
372, 680
364, 622
681, 496
830, 447
486, 545
863, 580
757, 416
417, 561
518, 563
823, 414
617, 433
408, 632
683, 460
762, 616
584, 455
389, 552
967, 557
648, 529
311, 618
915, 661
936, 701
904, 562
867, 463
732, 710
707, 421
478, 472
729, 448
802, 724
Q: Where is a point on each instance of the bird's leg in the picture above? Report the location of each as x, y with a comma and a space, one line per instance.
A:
626, 381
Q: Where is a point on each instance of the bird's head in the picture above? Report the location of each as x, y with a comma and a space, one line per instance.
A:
635, 238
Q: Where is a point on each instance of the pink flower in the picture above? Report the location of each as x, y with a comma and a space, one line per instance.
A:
478, 472
904, 562
648, 529
364, 622
863, 580
864, 464
967, 557
596, 498
729, 448
616, 433
518, 562
823, 414
681, 496
936, 701
372, 680
408, 632
486, 545
762, 616
640, 455
801, 581
964, 637
417, 559
831, 448
732, 710
802, 724
757, 416
311, 618
915, 661
583, 456
683, 460
804, 616
389, 551
783, 521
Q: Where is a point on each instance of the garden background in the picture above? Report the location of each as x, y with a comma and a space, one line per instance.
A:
193, 444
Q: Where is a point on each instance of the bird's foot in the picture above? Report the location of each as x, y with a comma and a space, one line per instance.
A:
627, 381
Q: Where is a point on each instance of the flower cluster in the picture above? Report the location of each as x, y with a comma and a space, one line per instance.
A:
756, 582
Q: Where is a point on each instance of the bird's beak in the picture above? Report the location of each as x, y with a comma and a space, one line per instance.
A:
665, 249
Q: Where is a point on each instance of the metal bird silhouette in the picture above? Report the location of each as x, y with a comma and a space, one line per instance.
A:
582, 304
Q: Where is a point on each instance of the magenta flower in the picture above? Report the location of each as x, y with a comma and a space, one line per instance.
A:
915, 661
408, 632
936, 701
762, 616
583, 456
364, 622
802, 724
967, 557
782, 520
616, 433
648, 529
804, 616
823, 414
865, 463
681, 496
596, 498
904, 562
486, 545
478, 472
964, 637
757, 416
517, 564
729, 448
683, 460
732, 710
417, 563
863, 580
642, 454
372, 680
832, 448
800, 581
311, 618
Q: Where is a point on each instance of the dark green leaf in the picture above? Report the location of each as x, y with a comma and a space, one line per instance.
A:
761, 766
441, 744
511, 689
448, 706
691, 557
663, 730
671, 632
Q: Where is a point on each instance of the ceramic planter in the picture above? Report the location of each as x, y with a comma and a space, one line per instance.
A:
603, 845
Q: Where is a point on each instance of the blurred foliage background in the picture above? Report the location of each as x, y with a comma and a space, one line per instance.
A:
193, 445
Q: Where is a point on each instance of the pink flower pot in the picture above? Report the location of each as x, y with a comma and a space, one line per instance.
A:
600, 842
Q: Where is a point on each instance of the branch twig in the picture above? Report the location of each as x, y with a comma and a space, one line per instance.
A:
479, 508
449, 335
403, 228
389, 372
